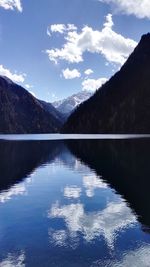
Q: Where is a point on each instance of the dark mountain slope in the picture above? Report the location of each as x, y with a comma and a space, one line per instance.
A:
122, 105
52, 110
20, 112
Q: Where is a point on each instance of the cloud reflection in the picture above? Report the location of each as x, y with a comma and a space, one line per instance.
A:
58, 237
106, 223
139, 257
91, 183
15, 190
13, 260
72, 192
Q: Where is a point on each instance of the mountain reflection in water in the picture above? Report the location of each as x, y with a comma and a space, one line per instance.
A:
75, 203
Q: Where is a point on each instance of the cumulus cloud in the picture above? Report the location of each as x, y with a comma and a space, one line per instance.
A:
19, 78
141, 9
113, 46
28, 86
71, 74
93, 84
11, 4
109, 22
88, 72
60, 28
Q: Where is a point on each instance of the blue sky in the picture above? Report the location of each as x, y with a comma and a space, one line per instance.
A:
56, 48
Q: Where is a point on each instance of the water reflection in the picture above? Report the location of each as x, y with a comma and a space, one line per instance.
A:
124, 164
72, 192
91, 183
138, 257
18, 160
82, 202
15, 190
14, 260
106, 223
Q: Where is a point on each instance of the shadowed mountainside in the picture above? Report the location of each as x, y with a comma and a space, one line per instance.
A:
121, 105
21, 112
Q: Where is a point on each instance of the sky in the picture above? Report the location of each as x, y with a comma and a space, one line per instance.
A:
55, 48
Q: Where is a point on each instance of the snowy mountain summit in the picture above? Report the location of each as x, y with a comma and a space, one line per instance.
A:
68, 104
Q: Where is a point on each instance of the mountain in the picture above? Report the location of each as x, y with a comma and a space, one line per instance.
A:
21, 112
67, 105
121, 105
52, 110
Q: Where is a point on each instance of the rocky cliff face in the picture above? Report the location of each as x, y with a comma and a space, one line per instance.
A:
122, 105
20, 112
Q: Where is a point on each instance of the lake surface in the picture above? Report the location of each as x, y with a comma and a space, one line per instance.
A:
75, 202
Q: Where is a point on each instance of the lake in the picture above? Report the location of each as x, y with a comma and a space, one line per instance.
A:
74, 201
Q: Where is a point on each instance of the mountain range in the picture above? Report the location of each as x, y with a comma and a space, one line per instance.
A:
121, 105
68, 105
21, 112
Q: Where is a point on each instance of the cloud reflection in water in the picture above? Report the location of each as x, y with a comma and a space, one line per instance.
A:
72, 192
92, 182
15, 190
105, 223
13, 260
139, 257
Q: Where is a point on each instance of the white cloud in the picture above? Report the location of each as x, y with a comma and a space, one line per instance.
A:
11, 4
113, 46
71, 74
60, 28
109, 22
92, 84
139, 8
28, 86
88, 72
19, 78
71, 27
72, 192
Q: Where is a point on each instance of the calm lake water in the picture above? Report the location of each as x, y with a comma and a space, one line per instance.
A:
75, 202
